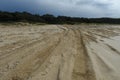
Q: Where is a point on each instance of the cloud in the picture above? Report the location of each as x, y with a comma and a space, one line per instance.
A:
76, 8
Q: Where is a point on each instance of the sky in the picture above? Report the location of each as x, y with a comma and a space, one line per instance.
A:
73, 8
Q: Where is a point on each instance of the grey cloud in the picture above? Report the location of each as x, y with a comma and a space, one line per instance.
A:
83, 2
77, 8
93, 3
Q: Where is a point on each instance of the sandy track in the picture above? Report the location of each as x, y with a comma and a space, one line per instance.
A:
59, 52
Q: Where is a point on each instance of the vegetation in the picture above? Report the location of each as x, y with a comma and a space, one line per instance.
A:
51, 19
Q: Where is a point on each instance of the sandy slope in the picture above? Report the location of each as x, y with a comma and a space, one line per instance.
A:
59, 52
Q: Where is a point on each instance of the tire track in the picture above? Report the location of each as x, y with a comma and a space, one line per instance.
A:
26, 64
59, 65
82, 67
69, 52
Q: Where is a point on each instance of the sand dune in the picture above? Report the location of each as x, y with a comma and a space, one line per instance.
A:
59, 52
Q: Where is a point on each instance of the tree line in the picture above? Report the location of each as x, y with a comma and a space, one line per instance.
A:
51, 19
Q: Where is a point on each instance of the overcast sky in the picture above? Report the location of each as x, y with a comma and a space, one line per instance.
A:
75, 8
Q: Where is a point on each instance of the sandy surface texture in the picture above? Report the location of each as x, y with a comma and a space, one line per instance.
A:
59, 52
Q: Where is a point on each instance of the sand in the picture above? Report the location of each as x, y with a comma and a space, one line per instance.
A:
59, 52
